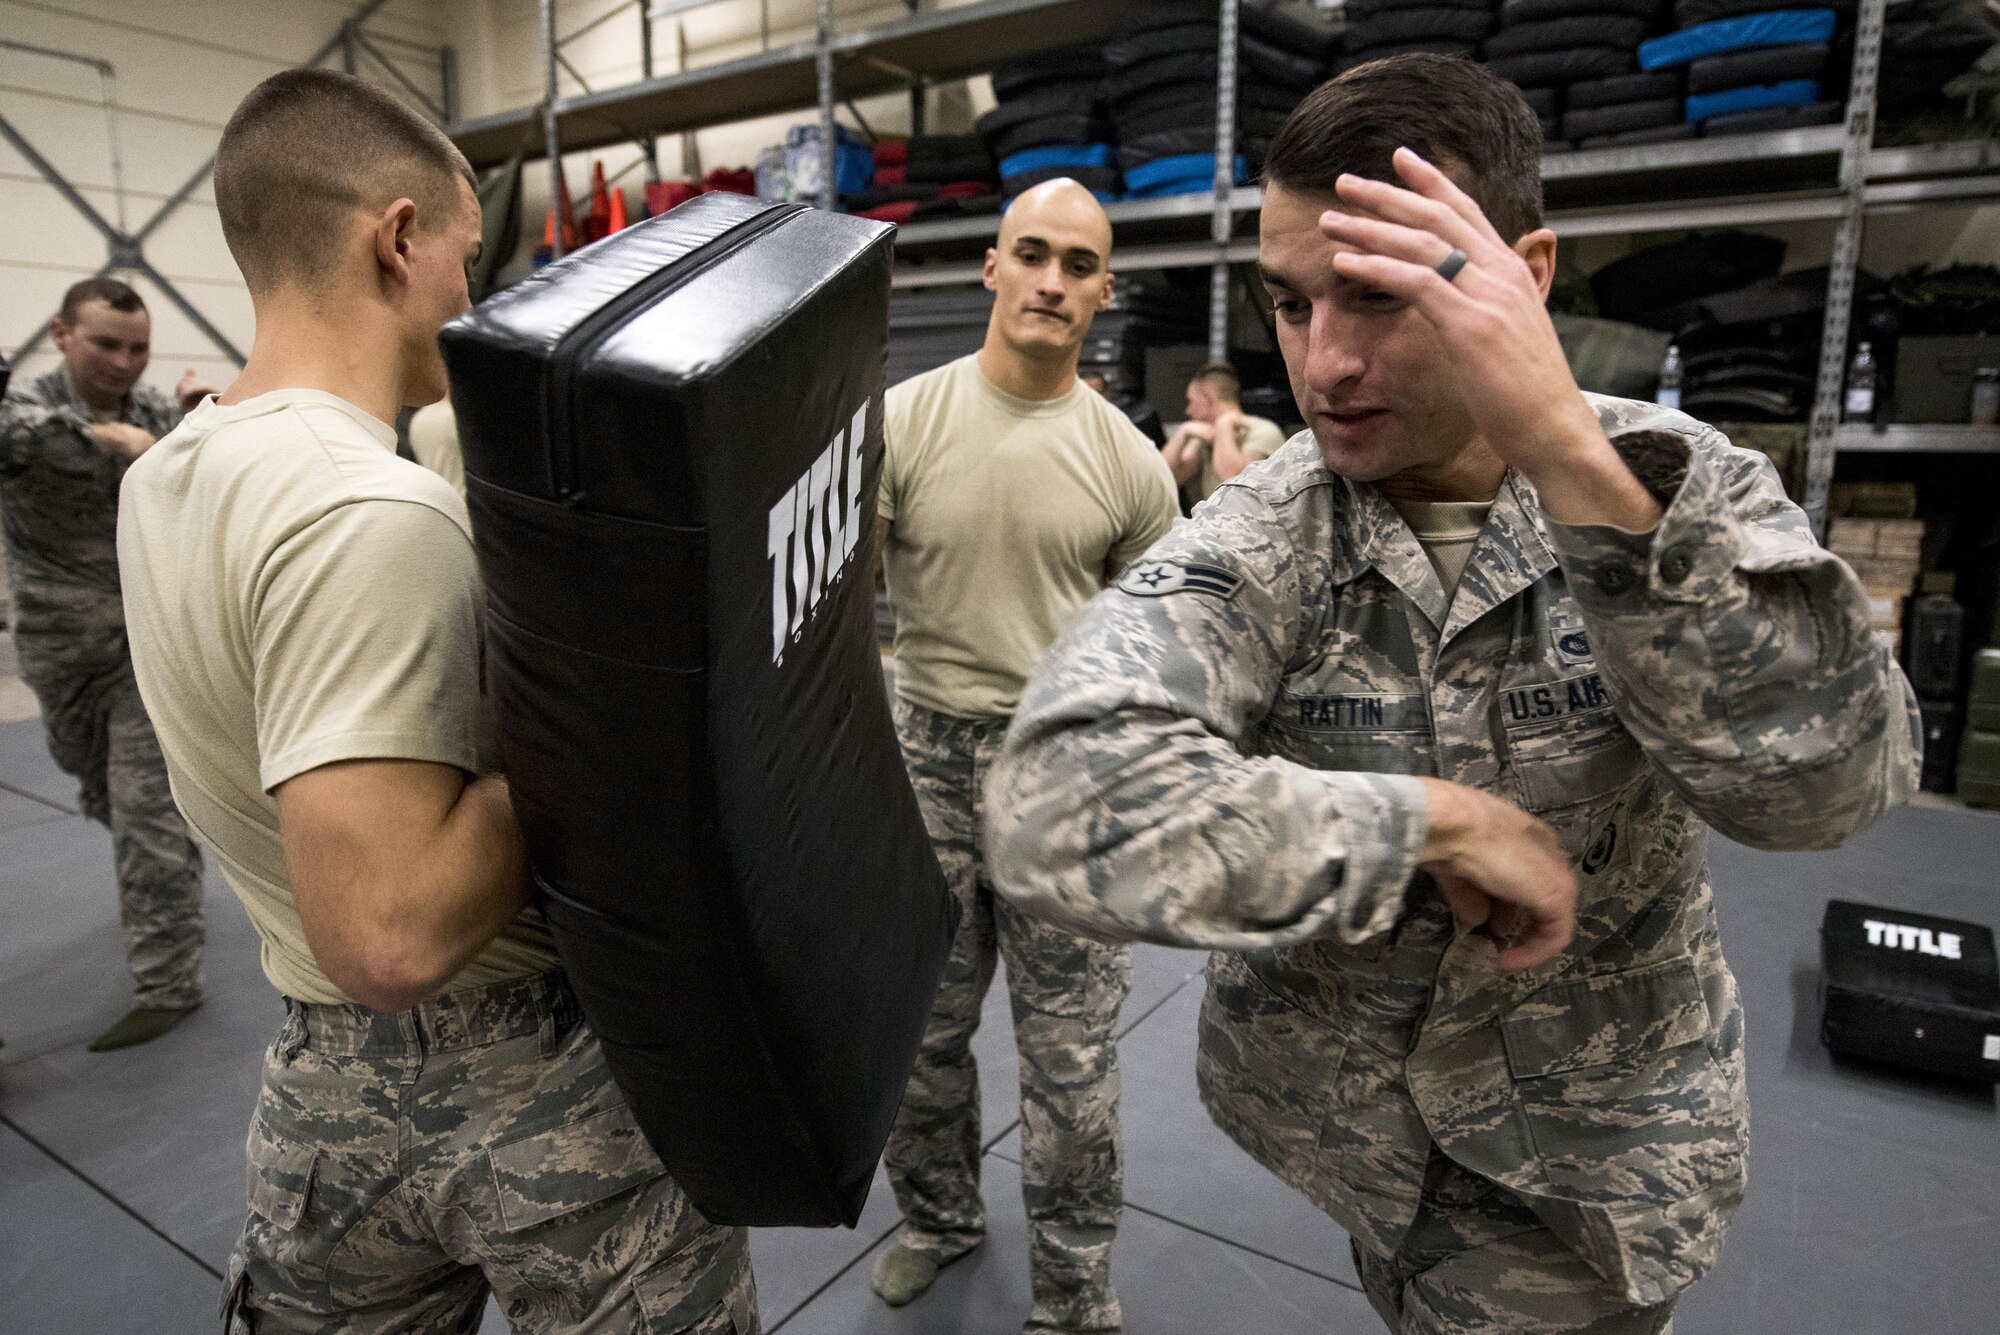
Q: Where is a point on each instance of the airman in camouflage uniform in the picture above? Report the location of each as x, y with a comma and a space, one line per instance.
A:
59, 490
1010, 495
1224, 752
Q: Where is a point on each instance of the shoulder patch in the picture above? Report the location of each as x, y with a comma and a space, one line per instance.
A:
1156, 579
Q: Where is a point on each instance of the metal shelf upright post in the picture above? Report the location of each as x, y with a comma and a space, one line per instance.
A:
1222, 218
829, 156
1822, 444
549, 131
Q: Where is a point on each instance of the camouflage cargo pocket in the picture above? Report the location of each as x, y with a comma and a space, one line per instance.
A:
283, 1227
704, 1289
1620, 1089
568, 1169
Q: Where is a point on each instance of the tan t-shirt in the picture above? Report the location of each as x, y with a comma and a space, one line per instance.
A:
1447, 531
434, 440
1007, 513
1257, 437
295, 594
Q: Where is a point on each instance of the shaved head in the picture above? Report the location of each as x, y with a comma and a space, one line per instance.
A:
1049, 272
1060, 205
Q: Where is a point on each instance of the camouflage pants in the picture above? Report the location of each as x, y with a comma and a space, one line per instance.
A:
99, 733
1477, 1261
1065, 993
402, 1166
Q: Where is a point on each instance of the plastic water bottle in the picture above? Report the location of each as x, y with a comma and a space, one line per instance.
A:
1861, 385
1986, 396
1670, 379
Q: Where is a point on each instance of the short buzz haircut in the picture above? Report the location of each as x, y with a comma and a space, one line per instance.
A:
1475, 126
110, 291
305, 149
1221, 378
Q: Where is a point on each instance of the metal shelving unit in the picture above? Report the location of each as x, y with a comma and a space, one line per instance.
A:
884, 57
1917, 438
1830, 173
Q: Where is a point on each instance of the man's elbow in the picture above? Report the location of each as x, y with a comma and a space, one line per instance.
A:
388, 972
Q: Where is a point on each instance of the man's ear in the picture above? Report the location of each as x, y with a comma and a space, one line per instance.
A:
59, 333
986, 274
1538, 248
393, 230
1110, 291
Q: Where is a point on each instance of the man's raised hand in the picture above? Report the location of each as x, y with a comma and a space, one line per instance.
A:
1491, 318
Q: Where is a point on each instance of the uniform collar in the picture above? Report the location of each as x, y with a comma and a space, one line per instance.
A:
1383, 540
1512, 554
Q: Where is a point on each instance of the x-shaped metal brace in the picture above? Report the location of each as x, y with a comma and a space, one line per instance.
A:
123, 251
126, 252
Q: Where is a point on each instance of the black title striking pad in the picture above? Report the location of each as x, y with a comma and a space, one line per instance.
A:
1911, 989
672, 444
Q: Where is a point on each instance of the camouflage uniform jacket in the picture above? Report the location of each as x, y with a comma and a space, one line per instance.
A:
1212, 756
59, 497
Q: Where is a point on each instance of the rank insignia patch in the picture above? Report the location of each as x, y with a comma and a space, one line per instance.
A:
1156, 579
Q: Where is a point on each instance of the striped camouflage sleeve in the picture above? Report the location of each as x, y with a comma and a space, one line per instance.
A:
1740, 653
1122, 805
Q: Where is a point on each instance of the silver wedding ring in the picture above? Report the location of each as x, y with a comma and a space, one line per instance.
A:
1452, 263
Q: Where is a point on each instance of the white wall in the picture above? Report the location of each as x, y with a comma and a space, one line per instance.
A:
180, 68
499, 44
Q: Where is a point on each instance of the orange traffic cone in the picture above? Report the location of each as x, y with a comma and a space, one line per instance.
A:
618, 223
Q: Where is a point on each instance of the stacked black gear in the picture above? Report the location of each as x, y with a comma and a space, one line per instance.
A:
1160, 87
1050, 122
1748, 332
1576, 62
1758, 65
1379, 28
1925, 45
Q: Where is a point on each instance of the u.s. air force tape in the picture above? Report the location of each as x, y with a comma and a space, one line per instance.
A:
1156, 579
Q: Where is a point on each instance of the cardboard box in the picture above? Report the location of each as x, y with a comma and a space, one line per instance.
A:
1885, 606
1886, 573
1874, 500
1853, 537
1899, 537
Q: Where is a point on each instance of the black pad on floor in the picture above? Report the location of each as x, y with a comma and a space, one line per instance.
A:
1911, 990
672, 441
